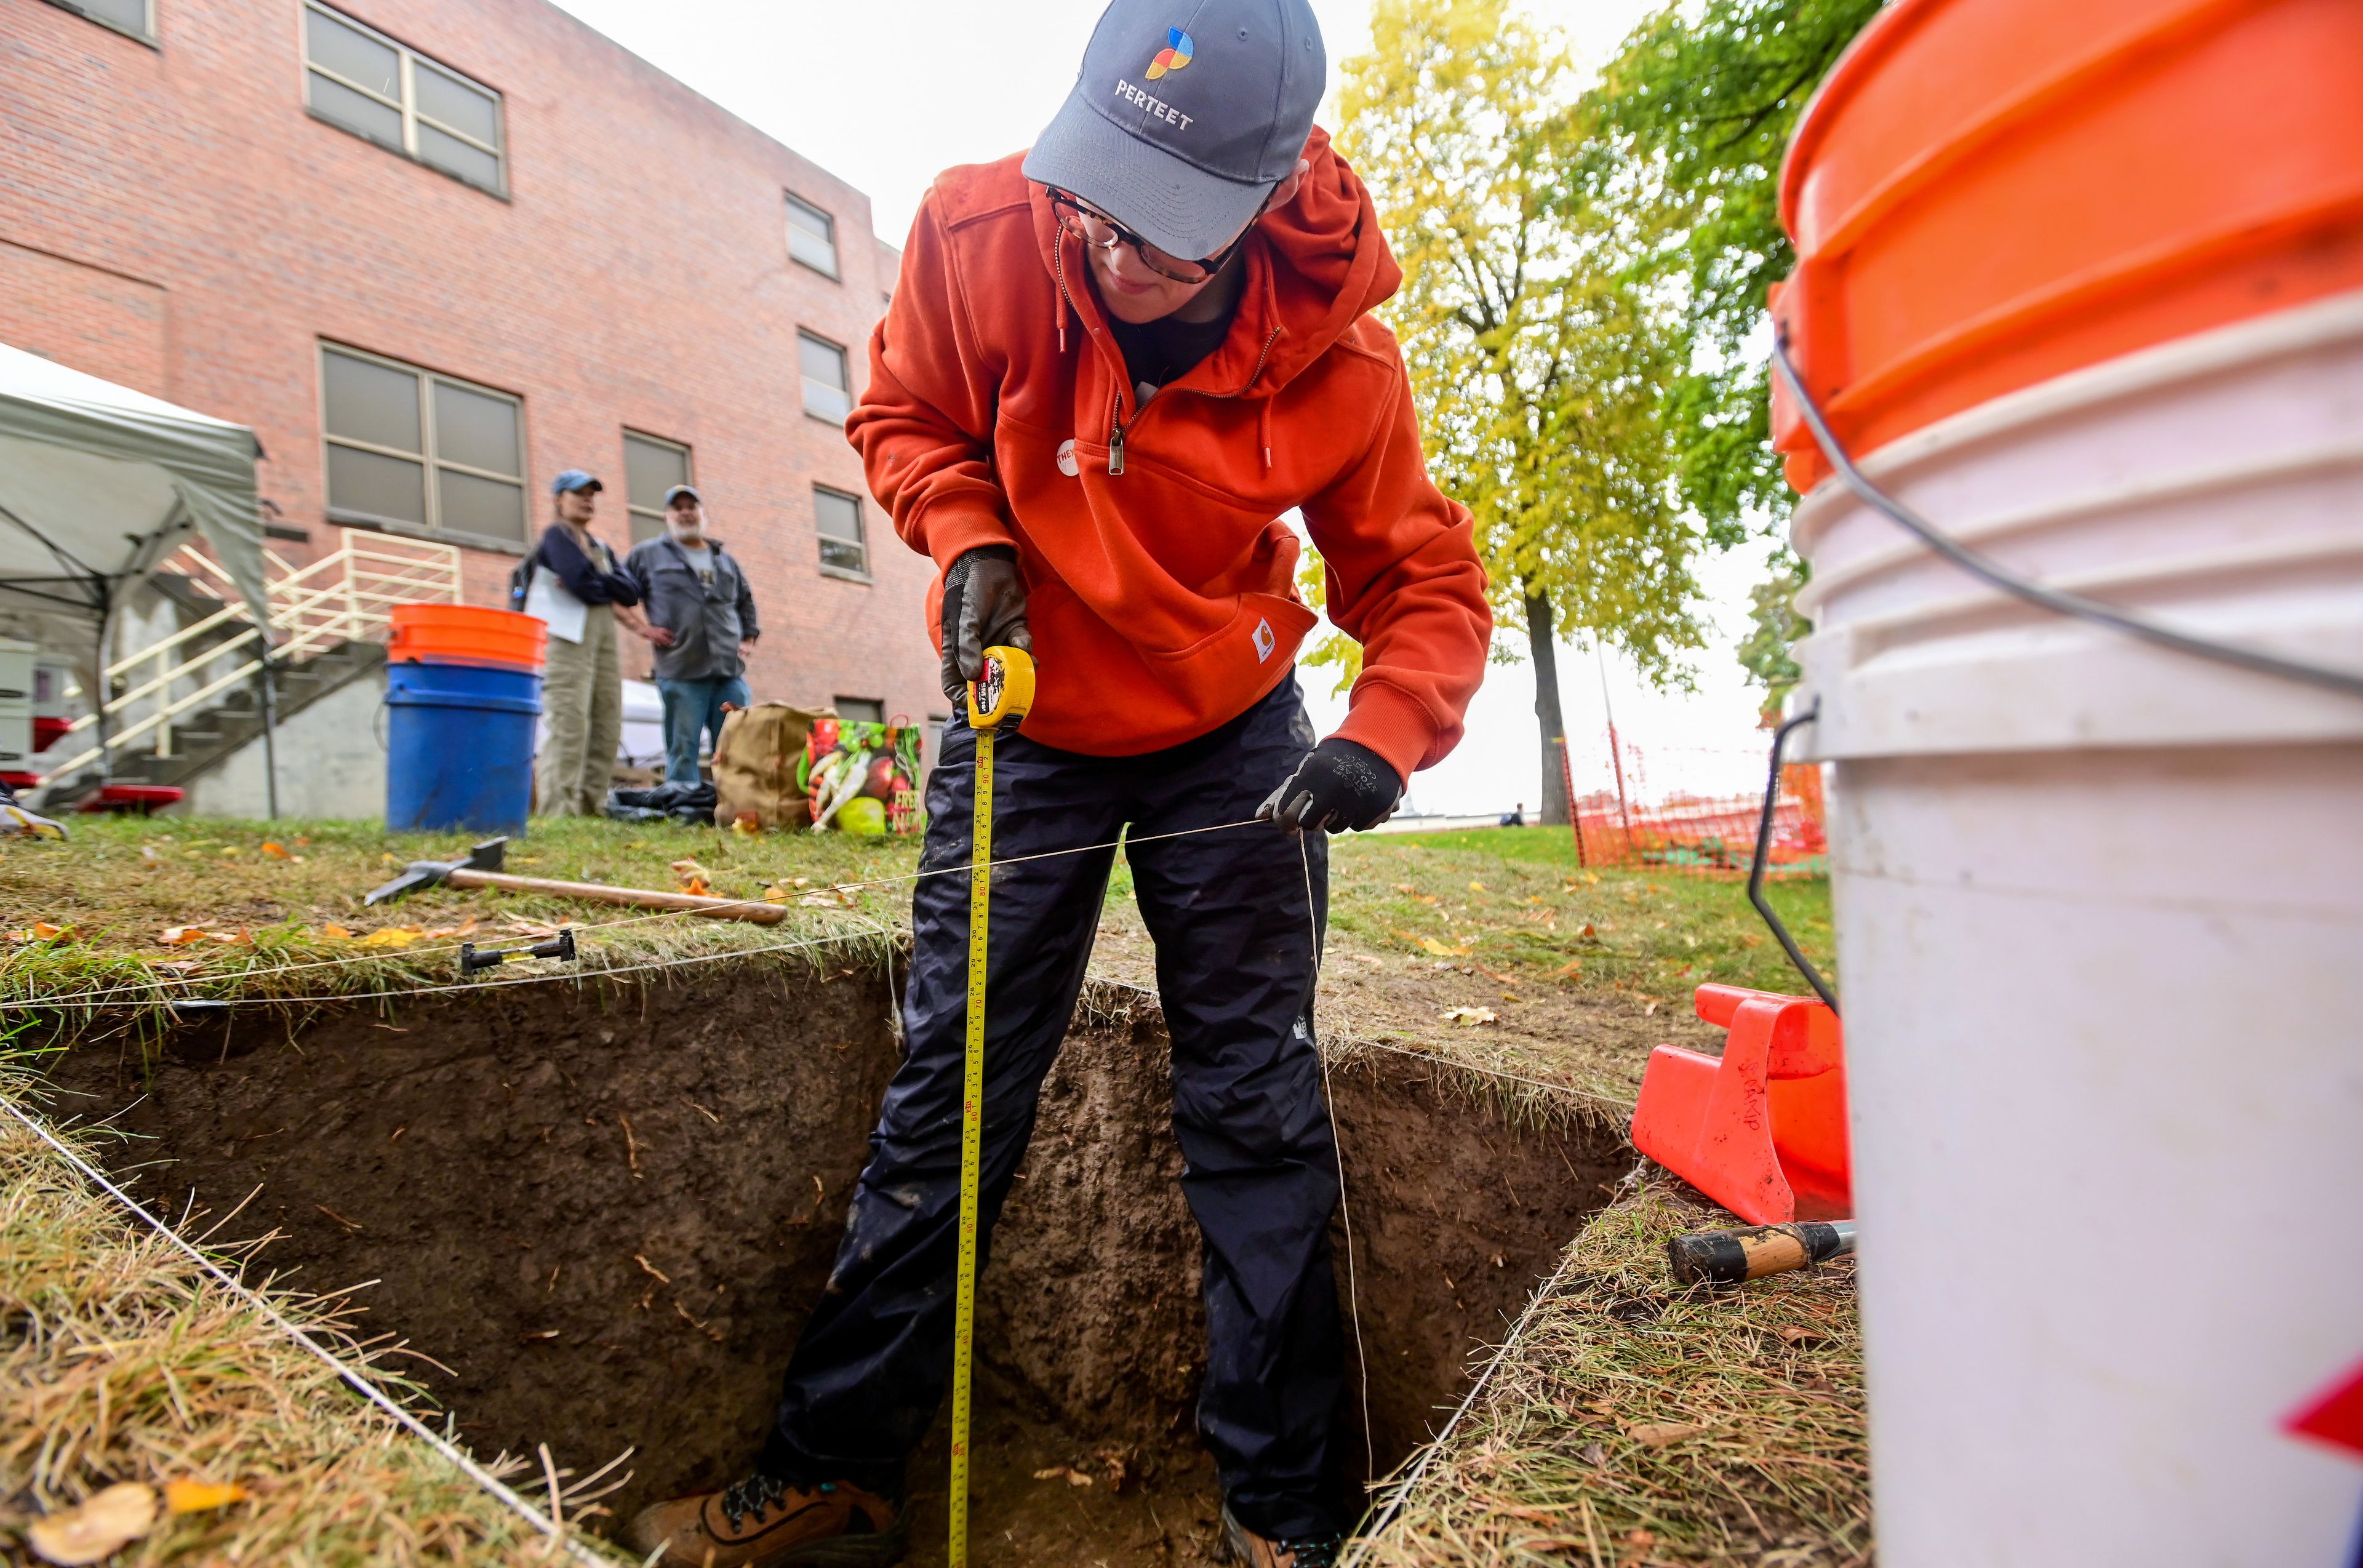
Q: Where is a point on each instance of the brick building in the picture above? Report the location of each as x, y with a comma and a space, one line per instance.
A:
436, 250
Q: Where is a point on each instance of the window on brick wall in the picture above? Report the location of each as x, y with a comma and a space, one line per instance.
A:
828, 388
652, 465
861, 710
135, 18
812, 236
361, 80
415, 452
839, 518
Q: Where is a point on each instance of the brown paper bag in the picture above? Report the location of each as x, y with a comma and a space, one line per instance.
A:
755, 761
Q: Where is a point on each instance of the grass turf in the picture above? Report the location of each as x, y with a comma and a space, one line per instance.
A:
255, 901
107, 1335
1638, 1424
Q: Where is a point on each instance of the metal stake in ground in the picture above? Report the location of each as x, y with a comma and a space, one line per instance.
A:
1002, 697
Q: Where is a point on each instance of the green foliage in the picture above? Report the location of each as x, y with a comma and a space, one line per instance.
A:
1538, 358
1697, 110
1336, 651
1774, 627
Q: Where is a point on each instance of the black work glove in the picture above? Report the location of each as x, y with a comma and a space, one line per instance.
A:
984, 606
1340, 785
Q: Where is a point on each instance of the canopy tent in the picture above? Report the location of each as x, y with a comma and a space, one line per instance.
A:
98, 483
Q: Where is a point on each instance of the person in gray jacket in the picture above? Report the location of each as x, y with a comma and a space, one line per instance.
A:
702, 621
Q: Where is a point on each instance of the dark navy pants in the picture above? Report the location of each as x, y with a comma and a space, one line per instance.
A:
1235, 966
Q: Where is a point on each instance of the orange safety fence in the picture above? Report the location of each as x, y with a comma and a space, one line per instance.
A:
1694, 822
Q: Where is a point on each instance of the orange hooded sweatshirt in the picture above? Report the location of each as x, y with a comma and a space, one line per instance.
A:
1161, 583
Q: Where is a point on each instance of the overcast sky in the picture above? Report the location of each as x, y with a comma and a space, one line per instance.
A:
885, 93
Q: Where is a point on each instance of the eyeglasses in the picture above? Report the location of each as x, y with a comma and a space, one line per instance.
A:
1098, 230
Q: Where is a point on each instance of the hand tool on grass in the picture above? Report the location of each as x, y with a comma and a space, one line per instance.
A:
1727, 1257
481, 867
1002, 697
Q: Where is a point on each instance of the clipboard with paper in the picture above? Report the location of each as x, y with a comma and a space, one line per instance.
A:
550, 601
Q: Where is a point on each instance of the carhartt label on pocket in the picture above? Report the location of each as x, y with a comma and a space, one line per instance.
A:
1264, 640
1067, 457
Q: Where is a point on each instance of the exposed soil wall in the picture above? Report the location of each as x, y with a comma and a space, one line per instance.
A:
604, 1213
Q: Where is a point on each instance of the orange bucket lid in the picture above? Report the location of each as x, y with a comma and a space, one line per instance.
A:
464, 634
1988, 194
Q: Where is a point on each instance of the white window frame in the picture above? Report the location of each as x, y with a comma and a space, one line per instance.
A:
408, 107
426, 457
821, 542
148, 12
834, 271
845, 360
688, 476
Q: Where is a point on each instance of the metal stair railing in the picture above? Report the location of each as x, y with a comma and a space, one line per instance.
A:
348, 596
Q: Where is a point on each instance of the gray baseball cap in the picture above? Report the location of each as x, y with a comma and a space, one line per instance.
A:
1185, 115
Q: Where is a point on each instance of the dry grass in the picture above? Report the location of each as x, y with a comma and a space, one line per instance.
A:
1637, 1424
120, 1360
115, 890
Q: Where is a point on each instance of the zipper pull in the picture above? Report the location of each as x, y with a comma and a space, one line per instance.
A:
1116, 449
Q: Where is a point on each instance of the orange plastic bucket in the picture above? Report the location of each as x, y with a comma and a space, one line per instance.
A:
463, 634
1988, 194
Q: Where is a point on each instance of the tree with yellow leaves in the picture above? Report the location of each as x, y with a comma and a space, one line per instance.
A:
1539, 360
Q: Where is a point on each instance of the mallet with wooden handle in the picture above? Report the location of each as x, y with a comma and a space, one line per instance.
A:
1727, 1257
481, 868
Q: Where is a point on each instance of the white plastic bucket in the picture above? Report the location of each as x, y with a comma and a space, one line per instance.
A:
2099, 918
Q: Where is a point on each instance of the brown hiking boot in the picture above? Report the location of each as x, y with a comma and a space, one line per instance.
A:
765, 1523
1263, 1551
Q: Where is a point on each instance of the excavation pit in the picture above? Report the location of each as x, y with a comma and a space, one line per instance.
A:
595, 1215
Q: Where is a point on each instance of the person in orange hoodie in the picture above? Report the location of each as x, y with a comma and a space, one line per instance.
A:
1110, 367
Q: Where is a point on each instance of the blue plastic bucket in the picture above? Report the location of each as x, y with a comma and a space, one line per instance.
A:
459, 747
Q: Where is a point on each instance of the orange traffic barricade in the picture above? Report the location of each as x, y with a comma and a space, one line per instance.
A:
1761, 1131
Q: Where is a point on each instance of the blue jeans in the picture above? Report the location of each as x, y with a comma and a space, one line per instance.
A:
692, 707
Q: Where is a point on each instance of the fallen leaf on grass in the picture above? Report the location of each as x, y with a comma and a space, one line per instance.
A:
1476, 887
201, 1497
276, 851
102, 1525
335, 932
40, 931
1075, 1477
1571, 969
1660, 1434
182, 936
1470, 1017
692, 877
1431, 945
392, 937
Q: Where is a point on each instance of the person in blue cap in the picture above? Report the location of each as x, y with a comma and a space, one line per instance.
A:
574, 584
1110, 369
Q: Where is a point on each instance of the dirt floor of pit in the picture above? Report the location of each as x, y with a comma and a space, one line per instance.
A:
598, 1217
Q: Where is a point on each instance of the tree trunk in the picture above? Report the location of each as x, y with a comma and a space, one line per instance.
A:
1542, 639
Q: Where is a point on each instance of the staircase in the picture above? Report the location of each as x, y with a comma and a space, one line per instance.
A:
186, 701
204, 737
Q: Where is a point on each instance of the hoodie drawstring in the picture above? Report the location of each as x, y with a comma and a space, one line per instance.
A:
1263, 431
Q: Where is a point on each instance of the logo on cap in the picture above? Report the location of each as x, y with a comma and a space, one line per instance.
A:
1173, 56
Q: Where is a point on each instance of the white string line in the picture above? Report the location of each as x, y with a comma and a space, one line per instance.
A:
1366, 1542
592, 927
365, 1387
1337, 1148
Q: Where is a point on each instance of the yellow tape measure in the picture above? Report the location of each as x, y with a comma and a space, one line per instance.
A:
1003, 697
